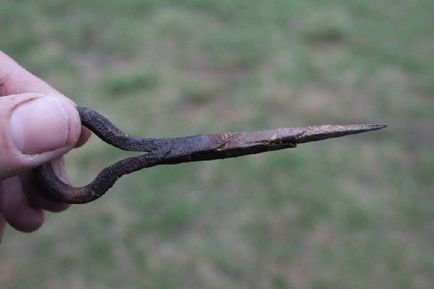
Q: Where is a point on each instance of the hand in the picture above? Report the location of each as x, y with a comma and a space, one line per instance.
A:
37, 125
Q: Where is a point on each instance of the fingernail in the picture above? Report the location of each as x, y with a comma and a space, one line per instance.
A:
40, 125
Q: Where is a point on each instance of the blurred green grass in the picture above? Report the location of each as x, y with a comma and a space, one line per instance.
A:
348, 213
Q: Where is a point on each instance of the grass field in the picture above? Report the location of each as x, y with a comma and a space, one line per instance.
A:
355, 212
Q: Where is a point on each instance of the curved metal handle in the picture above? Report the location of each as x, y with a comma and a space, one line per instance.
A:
159, 151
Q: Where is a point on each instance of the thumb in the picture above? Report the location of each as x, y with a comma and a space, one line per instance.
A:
34, 129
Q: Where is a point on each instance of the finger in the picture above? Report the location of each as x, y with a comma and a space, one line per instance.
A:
16, 208
14, 79
34, 129
39, 198
84, 137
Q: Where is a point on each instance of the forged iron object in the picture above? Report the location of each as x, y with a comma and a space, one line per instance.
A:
165, 151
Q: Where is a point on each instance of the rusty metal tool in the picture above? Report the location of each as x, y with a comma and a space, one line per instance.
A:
168, 151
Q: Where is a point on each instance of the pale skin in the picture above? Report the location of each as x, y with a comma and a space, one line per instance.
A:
37, 125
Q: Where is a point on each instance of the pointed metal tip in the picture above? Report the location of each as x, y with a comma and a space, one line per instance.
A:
359, 128
378, 126
316, 133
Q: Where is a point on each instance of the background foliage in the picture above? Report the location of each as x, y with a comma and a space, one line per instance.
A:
348, 213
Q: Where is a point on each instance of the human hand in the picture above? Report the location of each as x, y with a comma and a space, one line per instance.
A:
37, 125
